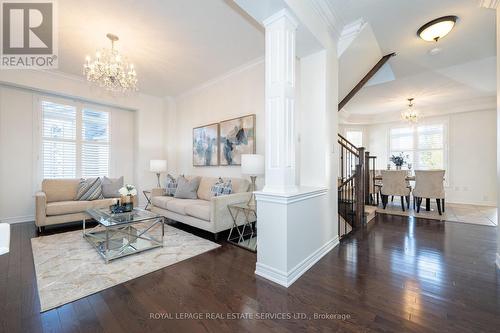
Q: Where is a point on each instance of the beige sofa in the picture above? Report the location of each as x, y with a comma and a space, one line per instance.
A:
207, 212
56, 203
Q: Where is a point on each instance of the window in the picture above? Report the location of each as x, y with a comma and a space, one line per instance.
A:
424, 144
75, 141
355, 137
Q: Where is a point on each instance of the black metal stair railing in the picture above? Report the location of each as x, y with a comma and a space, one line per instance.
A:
355, 185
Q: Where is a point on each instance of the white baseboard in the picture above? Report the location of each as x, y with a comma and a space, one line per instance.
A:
474, 203
498, 260
286, 279
18, 219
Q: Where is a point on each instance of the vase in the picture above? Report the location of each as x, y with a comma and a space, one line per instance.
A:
398, 167
127, 201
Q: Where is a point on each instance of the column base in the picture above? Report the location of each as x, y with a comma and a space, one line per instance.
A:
286, 279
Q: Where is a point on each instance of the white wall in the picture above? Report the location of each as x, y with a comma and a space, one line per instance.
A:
236, 94
16, 155
146, 116
471, 154
312, 128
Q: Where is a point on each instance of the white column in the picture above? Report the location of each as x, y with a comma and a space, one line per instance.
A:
498, 138
280, 103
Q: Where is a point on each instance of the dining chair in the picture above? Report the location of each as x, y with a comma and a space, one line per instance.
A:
429, 184
375, 186
394, 183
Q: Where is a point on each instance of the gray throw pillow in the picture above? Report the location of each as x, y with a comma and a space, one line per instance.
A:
187, 189
110, 187
170, 186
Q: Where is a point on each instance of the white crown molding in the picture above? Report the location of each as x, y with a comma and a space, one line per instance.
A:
234, 71
349, 34
486, 103
80, 79
491, 4
330, 17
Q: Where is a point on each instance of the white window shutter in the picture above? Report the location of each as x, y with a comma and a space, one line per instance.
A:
68, 155
59, 140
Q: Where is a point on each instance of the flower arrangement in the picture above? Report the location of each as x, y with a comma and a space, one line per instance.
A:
128, 190
399, 159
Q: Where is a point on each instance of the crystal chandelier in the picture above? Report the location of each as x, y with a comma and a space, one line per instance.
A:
110, 70
410, 115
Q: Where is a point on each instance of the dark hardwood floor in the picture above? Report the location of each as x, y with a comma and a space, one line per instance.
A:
398, 275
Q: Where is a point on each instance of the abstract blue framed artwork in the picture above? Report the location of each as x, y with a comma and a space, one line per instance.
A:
237, 137
206, 145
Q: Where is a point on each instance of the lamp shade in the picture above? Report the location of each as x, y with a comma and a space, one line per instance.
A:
252, 164
158, 166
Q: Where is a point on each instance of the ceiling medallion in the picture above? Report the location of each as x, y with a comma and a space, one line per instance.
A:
110, 70
436, 29
411, 114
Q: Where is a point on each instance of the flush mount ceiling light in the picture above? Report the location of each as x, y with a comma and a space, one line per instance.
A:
436, 29
110, 70
411, 114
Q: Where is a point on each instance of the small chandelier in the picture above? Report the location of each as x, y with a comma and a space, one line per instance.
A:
110, 70
410, 115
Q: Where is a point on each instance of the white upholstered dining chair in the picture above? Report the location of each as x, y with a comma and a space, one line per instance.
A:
429, 184
375, 186
394, 183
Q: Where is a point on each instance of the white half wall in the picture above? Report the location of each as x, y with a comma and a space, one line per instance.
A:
139, 123
498, 136
236, 94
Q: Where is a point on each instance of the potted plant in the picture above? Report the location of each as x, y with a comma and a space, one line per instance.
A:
127, 192
399, 160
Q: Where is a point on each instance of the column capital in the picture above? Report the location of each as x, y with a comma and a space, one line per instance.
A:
284, 13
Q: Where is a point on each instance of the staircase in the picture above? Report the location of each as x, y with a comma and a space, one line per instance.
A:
356, 169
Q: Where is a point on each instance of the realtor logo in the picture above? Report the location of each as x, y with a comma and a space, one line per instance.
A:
29, 38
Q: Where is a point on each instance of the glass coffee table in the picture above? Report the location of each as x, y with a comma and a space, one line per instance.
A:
123, 234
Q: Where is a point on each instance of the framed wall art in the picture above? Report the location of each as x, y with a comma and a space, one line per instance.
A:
237, 137
206, 145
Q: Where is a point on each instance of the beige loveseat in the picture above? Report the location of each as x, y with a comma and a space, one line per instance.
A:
207, 212
56, 203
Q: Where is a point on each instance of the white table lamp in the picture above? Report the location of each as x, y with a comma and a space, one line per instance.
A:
158, 166
252, 165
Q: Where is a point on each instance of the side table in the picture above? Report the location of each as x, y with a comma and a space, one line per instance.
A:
147, 195
247, 237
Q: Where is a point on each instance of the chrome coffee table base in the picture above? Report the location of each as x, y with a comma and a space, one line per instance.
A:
118, 235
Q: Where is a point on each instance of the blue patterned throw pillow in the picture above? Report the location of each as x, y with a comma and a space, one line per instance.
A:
170, 186
221, 187
89, 189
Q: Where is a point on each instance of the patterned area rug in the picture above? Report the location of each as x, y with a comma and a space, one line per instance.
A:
461, 213
69, 268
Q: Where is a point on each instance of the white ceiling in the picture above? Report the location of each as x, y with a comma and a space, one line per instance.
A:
461, 77
175, 45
